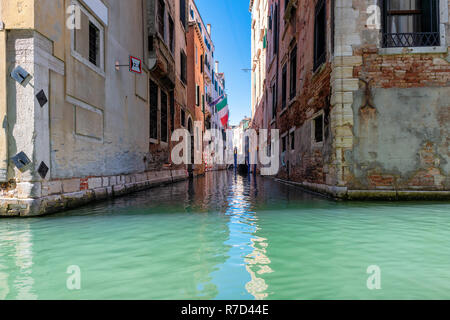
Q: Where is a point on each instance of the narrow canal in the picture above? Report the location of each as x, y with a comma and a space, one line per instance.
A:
227, 237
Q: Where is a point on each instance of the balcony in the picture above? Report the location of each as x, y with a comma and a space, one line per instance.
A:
162, 62
415, 39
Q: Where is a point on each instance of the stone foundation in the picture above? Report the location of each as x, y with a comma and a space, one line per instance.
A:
41, 198
343, 193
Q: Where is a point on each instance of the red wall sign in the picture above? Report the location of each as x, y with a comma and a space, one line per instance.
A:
135, 65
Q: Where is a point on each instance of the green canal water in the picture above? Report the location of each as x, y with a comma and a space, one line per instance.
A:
227, 237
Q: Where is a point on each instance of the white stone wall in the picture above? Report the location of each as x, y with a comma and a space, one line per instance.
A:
347, 35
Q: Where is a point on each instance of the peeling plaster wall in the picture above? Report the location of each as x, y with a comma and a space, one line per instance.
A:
403, 142
389, 108
399, 107
115, 103
93, 133
95, 123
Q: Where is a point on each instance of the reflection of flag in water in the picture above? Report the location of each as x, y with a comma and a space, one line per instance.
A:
222, 110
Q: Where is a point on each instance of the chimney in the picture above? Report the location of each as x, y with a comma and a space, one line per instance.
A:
217, 66
208, 27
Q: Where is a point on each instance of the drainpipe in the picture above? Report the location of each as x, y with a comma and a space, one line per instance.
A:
3, 107
144, 27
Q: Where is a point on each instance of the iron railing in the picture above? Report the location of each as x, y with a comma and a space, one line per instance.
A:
415, 39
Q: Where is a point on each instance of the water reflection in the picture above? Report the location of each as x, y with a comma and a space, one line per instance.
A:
223, 236
246, 254
17, 245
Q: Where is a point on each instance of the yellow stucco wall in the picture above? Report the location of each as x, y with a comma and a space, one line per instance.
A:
50, 21
18, 14
44, 16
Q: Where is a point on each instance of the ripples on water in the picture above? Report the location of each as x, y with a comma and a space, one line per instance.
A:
228, 237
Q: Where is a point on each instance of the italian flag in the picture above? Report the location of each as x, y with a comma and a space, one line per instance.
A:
215, 102
223, 112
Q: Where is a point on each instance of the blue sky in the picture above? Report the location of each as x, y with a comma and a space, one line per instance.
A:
230, 23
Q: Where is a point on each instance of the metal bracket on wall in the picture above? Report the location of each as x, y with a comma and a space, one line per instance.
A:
42, 98
368, 99
20, 75
43, 170
21, 161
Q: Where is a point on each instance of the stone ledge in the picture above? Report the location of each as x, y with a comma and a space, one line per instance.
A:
400, 195
12, 207
343, 193
330, 191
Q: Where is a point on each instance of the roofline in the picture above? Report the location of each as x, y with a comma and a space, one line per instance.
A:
198, 32
250, 5
203, 23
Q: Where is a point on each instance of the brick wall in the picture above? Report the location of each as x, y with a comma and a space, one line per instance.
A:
400, 125
404, 70
309, 161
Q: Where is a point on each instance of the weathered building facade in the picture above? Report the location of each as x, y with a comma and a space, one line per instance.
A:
359, 91
164, 78
79, 125
260, 25
196, 93
214, 81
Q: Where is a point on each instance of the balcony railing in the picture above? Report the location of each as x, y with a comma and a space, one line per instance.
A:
416, 39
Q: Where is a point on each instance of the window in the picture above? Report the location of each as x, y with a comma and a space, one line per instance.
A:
274, 100
203, 102
275, 29
411, 23
87, 44
171, 35
94, 43
269, 18
318, 129
201, 63
183, 18
197, 95
153, 110
293, 73
292, 140
284, 143
182, 118
161, 15
196, 54
164, 117
283, 87
172, 111
320, 42
183, 65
